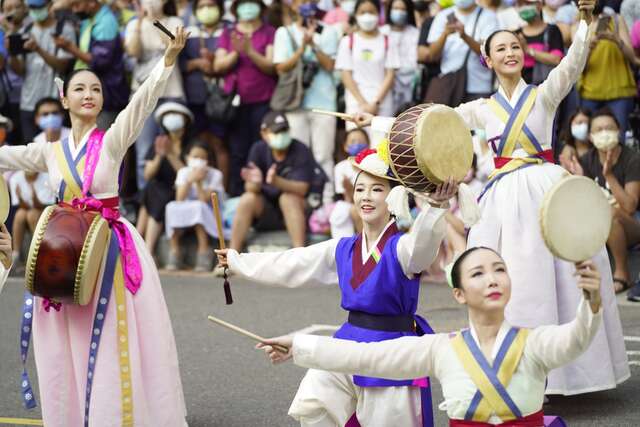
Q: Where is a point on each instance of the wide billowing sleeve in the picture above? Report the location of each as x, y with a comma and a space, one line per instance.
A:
311, 265
554, 346
469, 111
562, 78
128, 125
400, 359
28, 158
418, 248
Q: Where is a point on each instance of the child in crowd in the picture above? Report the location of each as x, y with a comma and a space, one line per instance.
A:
344, 219
192, 208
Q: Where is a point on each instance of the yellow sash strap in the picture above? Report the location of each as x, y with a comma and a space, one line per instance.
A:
72, 189
492, 401
123, 346
21, 421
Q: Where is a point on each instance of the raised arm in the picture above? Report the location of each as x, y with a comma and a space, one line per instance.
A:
418, 248
128, 125
401, 359
311, 265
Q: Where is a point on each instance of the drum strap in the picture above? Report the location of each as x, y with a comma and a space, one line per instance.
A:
491, 381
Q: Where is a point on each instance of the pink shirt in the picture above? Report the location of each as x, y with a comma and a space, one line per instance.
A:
335, 16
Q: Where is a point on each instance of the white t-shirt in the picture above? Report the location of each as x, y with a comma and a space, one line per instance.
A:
368, 59
212, 182
455, 50
42, 137
342, 170
45, 194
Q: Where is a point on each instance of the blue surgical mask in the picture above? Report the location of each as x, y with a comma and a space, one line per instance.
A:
173, 121
280, 141
464, 4
354, 149
52, 121
398, 17
40, 14
248, 11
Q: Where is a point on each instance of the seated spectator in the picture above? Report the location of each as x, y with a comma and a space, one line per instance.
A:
100, 48
277, 180
344, 218
575, 138
30, 194
49, 118
41, 61
617, 169
163, 161
541, 42
192, 207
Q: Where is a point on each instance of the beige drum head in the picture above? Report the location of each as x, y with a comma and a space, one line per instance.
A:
91, 260
4, 200
575, 219
443, 144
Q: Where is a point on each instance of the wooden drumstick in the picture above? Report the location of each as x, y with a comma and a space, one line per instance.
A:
343, 116
246, 333
216, 212
164, 29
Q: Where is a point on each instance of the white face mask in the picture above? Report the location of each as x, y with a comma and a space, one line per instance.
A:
196, 163
580, 131
367, 21
605, 139
173, 121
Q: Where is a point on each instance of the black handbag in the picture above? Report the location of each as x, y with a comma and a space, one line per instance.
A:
220, 106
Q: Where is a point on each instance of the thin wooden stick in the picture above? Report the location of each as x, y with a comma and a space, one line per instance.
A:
343, 116
246, 333
164, 29
216, 213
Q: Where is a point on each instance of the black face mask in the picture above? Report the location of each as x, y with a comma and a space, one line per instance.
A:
82, 15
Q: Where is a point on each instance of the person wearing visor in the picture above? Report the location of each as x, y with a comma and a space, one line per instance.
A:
277, 179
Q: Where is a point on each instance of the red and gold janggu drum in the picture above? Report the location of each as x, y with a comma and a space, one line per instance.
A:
66, 254
427, 144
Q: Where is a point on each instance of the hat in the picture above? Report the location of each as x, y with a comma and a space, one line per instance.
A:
37, 3
275, 121
172, 107
6, 121
374, 161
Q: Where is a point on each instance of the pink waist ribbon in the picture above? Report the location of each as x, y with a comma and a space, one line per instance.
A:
108, 209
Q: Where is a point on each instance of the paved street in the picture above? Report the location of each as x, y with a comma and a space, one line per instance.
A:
227, 383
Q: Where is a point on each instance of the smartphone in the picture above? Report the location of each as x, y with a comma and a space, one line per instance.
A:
16, 44
451, 18
603, 25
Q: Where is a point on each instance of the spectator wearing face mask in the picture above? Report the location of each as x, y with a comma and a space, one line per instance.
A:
575, 137
196, 64
245, 58
192, 209
49, 118
277, 180
14, 21
39, 60
100, 48
368, 61
403, 34
315, 45
616, 168
162, 162
143, 43
455, 37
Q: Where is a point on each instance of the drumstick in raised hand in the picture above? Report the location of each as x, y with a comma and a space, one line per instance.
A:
164, 29
246, 333
343, 116
216, 212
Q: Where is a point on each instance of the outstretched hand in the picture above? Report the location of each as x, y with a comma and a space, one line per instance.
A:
586, 8
222, 257
444, 192
589, 281
175, 46
277, 356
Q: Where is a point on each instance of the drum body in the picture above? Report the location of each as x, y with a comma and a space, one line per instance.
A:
427, 144
66, 254
575, 218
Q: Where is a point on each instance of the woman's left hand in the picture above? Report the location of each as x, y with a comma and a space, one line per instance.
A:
444, 192
6, 249
175, 46
277, 356
589, 281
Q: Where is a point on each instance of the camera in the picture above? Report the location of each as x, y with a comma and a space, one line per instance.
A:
16, 44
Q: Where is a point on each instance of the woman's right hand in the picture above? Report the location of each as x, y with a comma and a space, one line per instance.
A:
175, 46
222, 257
275, 355
589, 281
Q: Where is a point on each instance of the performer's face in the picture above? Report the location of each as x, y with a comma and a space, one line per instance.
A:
506, 56
369, 196
485, 283
83, 97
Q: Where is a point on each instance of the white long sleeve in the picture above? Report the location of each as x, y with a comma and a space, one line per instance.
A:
401, 359
562, 77
312, 265
29, 158
554, 346
419, 247
128, 125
